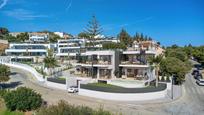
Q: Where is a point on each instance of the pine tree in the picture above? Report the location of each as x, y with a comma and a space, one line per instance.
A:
124, 37
93, 28
141, 37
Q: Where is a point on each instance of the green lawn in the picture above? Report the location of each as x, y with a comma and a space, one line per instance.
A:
62, 78
7, 112
116, 89
102, 85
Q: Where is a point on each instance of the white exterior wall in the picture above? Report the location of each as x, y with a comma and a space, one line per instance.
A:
25, 67
102, 66
56, 85
68, 42
38, 37
61, 34
124, 96
11, 48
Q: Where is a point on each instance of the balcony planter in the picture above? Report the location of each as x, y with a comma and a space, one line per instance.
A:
165, 78
160, 78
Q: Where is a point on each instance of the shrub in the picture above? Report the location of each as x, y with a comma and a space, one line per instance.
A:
64, 108
3, 92
114, 46
4, 73
22, 99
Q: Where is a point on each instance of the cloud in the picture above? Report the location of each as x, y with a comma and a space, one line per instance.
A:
69, 5
22, 14
3, 3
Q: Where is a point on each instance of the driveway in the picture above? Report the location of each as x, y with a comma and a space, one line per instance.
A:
191, 103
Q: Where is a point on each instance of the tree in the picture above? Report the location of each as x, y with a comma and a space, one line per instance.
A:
174, 46
23, 36
136, 37
112, 45
4, 73
176, 52
50, 61
4, 31
141, 37
53, 37
93, 28
173, 66
83, 35
198, 54
155, 63
124, 37
11, 38
23, 99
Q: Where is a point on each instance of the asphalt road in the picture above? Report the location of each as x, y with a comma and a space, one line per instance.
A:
191, 103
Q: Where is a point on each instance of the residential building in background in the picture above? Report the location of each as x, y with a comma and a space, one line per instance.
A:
15, 33
60, 34
69, 48
38, 37
28, 51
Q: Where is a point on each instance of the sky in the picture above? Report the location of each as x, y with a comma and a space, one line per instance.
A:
167, 21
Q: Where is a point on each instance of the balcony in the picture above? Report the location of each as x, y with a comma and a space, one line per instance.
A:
137, 64
99, 62
131, 62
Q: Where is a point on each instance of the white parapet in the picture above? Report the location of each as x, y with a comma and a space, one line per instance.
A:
25, 67
56, 85
124, 96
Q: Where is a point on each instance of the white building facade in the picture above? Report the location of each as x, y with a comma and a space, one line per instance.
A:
27, 51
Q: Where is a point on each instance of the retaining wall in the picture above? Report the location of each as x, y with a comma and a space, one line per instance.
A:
124, 96
25, 67
56, 85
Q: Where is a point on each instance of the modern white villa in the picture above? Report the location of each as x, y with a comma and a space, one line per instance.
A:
69, 48
38, 37
119, 65
134, 61
27, 51
99, 65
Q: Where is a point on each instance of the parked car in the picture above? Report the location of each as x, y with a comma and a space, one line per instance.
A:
198, 66
200, 82
198, 76
73, 89
195, 72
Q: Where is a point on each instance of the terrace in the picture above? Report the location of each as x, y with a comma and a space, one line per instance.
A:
133, 60
100, 60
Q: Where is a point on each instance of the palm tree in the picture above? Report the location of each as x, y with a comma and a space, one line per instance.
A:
155, 63
50, 61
